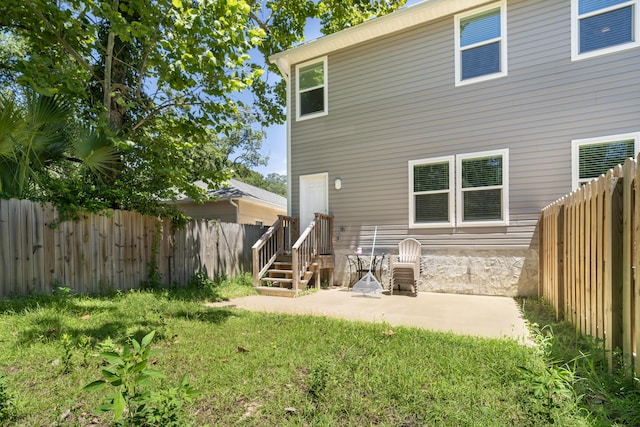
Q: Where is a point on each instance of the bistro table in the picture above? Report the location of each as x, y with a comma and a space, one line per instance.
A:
360, 263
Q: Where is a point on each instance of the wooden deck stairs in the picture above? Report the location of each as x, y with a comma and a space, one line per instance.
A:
283, 267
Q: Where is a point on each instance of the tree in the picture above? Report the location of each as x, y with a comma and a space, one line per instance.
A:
37, 141
164, 77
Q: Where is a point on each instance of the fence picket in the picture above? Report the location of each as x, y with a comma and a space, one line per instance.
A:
589, 260
101, 253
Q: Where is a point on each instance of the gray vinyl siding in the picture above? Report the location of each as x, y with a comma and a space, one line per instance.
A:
393, 100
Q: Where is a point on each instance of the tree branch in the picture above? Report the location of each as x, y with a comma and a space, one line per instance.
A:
64, 43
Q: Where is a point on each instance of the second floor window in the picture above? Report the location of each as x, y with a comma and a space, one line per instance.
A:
603, 26
311, 88
481, 44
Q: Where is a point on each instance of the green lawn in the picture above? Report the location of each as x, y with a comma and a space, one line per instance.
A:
257, 369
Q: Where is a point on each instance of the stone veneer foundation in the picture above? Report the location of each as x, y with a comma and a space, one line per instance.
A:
503, 272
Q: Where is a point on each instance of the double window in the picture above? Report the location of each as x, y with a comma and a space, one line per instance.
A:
466, 189
481, 44
595, 156
311, 89
603, 26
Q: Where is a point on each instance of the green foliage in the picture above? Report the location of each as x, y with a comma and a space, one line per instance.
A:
610, 396
551, 384
319, 378
37, 141
129, 374
165, 81
7, 403
68, 347
273, 182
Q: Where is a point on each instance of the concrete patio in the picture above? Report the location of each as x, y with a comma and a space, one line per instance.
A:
483, 316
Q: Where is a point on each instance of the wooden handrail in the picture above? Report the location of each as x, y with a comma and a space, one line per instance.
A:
316, 239
275, 241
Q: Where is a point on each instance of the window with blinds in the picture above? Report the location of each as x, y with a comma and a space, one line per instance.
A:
481, 44
603, 26
431, 201
465, 189
595, 156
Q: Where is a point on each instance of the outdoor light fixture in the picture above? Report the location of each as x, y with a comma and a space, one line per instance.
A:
338, 183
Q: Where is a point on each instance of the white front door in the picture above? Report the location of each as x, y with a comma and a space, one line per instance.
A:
314, 197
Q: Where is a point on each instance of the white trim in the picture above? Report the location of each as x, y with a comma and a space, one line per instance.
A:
505, 188
577, 143
451, 191
400, 20
502, 5
325, 88
289, 182
575, 30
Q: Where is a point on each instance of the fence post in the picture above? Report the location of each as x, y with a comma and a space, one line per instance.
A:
612, 263
628, 175
560, 261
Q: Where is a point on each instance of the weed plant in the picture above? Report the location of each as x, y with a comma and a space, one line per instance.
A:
609, 396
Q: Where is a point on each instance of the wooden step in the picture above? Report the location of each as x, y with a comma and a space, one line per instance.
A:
276, 292
284, 282
282, 265
278, 271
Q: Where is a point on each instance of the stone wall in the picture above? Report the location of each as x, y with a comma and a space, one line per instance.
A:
511, 272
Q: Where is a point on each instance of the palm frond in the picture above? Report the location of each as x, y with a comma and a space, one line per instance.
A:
96, 150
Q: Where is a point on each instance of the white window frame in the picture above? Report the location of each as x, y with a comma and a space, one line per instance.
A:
451, 191
456, 191
575, 30
504, 187
325, 111
503, 44
577, 143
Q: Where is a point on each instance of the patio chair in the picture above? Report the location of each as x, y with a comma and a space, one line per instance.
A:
404, 268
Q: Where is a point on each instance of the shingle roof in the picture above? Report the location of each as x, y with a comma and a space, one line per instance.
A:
235, 189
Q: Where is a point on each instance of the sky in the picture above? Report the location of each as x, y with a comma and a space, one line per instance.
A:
275, 143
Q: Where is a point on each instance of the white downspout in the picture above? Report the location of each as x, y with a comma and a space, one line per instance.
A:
234, 204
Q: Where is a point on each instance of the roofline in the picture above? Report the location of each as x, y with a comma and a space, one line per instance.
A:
401, 19
246, 197
261, 201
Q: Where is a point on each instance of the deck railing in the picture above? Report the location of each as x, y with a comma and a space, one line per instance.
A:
315, 240
281, 239
278, 240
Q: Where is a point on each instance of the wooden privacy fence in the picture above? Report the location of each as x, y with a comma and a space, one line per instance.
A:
99, 253
588, 260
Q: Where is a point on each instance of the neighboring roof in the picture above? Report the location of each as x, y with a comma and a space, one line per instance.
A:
399, 20
238, 189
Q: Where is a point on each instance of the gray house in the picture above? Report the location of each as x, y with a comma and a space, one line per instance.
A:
455, 122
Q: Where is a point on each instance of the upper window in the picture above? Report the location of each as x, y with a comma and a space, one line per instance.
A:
595, 156
311, 88
599, 27
467, 189
481, 44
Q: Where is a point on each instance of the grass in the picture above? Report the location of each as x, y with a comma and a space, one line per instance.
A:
270, 369
612, 398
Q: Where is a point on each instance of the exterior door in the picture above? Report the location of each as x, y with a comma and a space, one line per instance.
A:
314, 197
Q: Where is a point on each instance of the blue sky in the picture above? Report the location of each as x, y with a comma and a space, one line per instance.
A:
275, 143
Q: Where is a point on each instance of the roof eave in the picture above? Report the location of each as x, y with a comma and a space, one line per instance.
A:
402, 19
